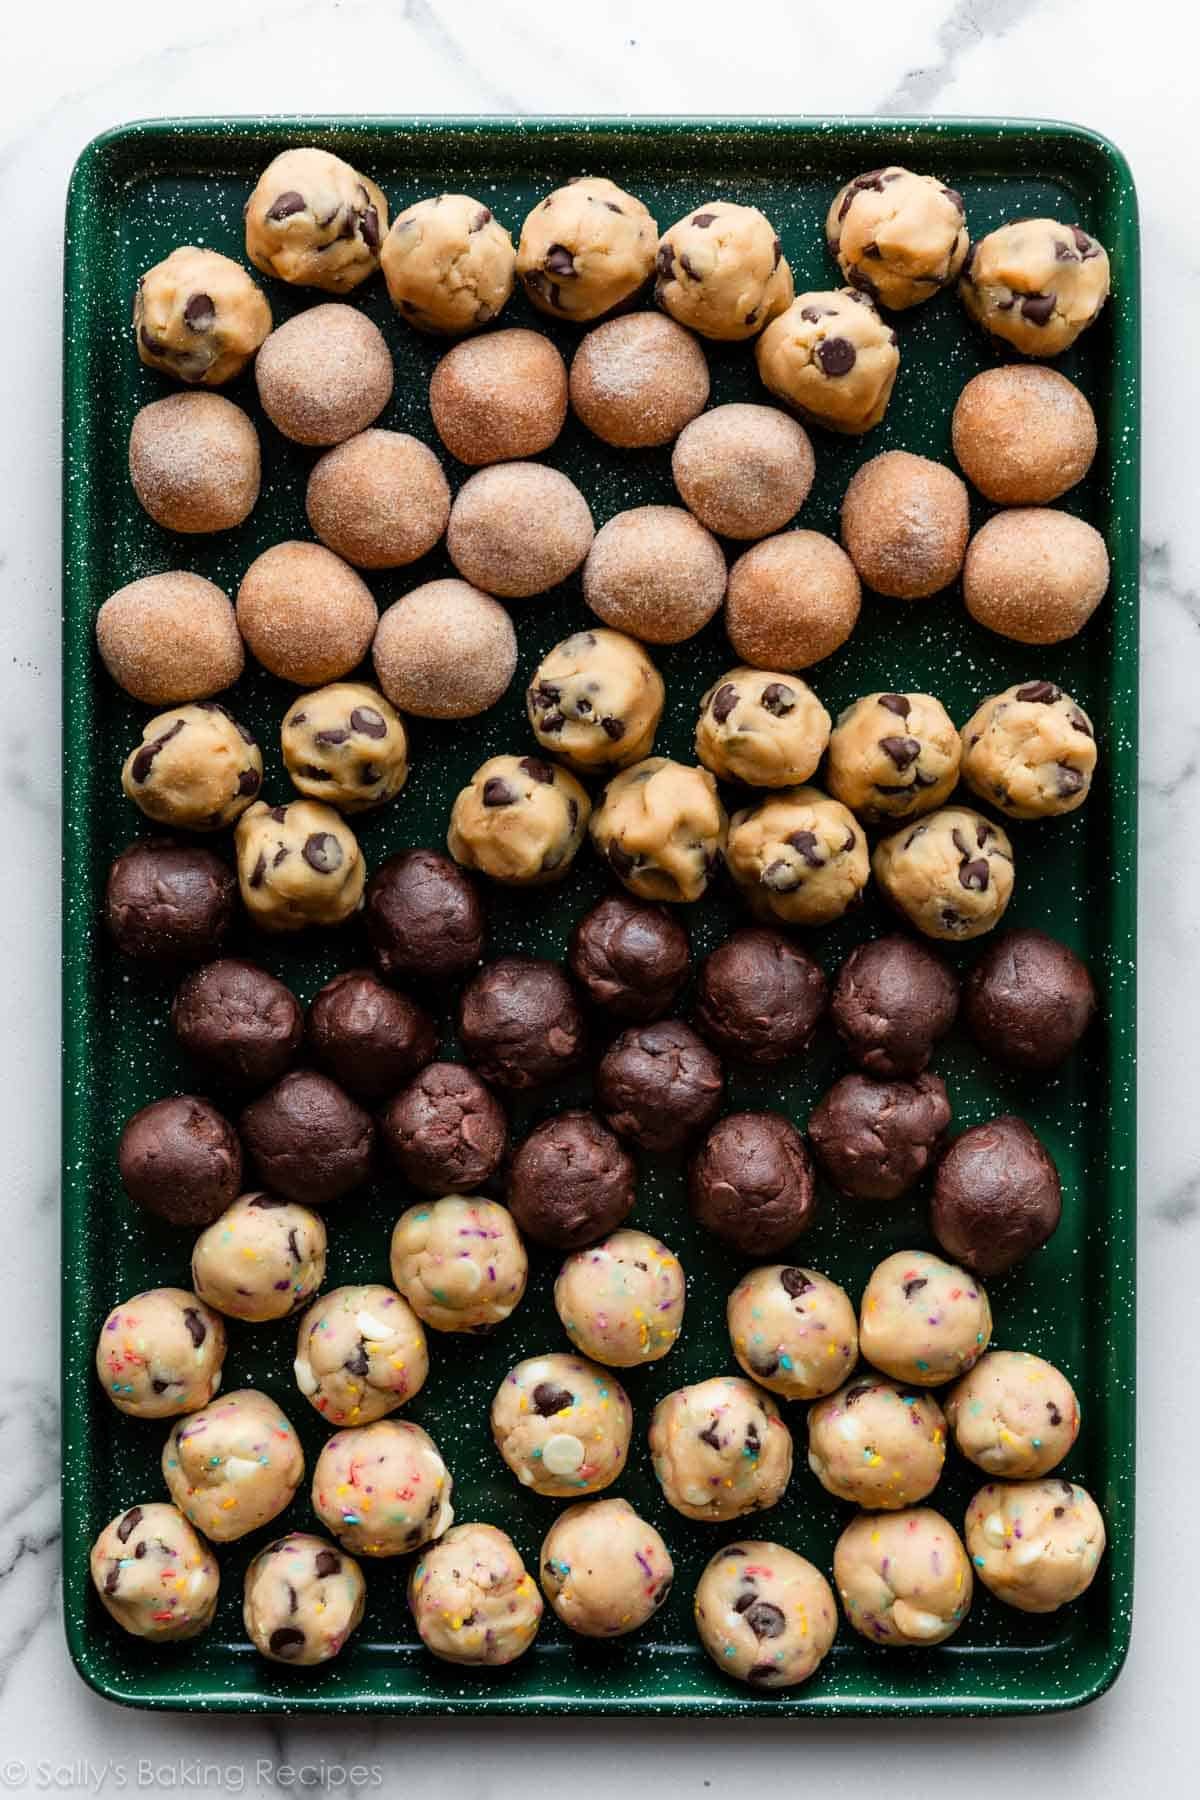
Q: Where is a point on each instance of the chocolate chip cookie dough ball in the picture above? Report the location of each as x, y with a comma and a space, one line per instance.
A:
445, 1132
893, 1000
1035, 284
360, 1353
380, 500
596, 701
181, 1160
493, 541
324, 375
302, 1600
637, 381
832, 359
905, 523
298, 865
877, 1445
875, 1139
168, 903
234, 1466
923, 1321
445, 651
798, 856
659, 1085
1035, 575
424, 918
621, 1302
900, 237
367, 1036
263, 1259
604, 1570
1013, 1415
449, 264
1036, 1545
304, 613
520, 820
499, 398
585, 249
346, 745
520, 1023
793, 1330
315, 222
198, 316
571, 1182
240, 1024
308, 1139
194, 462
765, 1615
196, 768
751, 1183
793, 600
382, 1489
720, 1449
997, 1196
904, 1577
459, 1263
562, 1425
154, 1576
759, 997
1023, 434
630, 958
760, 728
170, 638
1028, 1001
744, 471
654, 572
721, 271
893, 756
1031, 751
161, 1354
473, 1600
951, 875
660, 827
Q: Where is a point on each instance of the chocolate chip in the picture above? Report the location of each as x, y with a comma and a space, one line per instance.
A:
903, 751
753, 1442
805, 842
141, 1549
280, 856
778, 699
369, 774
896, 703
1067, 1489
266, 1203
356, 1363
572, 815
689, 267
279, 814
794, 1282
955, 199
765, 1366
856, 1393
662, 1590
1081, 724
549, 1399
249, 782
287, 1642
836, 355
710, 1436
762, 1672
620, 860
559, 260
611, 206
112, 1578
723, 702
848, 842
1038, 308
286, 205
777, 254
258, 871
1040, 693
370, 723
199, 312
702, 220
536, 769
1070, 781
129, 1523
322, 852
369, 227
196, 1328
811, 313
293, 1246
733, 1550
482, 217
552, 723
336, 734
974, 876
781, 877
583, 706
764, 1619
544, 695
328, 1563
983, 831
160, 1387
143, 762
1086, 246
664, 262
153, 344
915, 1285
498, 793
613, 728
1059, 1511
1055, 1415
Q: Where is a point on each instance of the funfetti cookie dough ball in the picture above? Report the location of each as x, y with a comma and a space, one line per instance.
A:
562, 1425
315, 222
1035, 575
305, 614
1036, 1545
170, 638
661, 828
473, 1600
262, 1259
298, 865
832, 359
1035, 284
369, 1037
168, 903
445, 651
324, 375
194, 462
596, 701
196, 768
996, 1197
520, 820
239, 1023
798, 856
764, 1614
383, 1489
302, 1600
877, 1445
585, 249
570, 1181
630, 957
720, 1449
761, 728
198, 316
759, 997
721, 271
459, 1263
449, 264
876, 1139
424, 918
659, 1085
1030, 750
360, 1353
637, 381
951, 875
901, 237
234, 1466
161, 1354
744, 471
751, 1183
621, 1302
793, 1330
490, 540
520, 1023
154, 1576
1023, 434
655, 572
792, 601
380, 500
1013, 1415
893, 756
180, 1159
905, 523
346, 745
446, 1132
308, 1139
1028, 1000
499, 398
604, 1570
904, 1577
922, 1320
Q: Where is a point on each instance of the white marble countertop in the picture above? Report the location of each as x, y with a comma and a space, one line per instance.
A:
69, 69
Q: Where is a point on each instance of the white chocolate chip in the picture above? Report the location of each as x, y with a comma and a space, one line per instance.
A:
563, 1454
847, 1427
1028, 1553
240, 1468
371, 1327
993, 1529
917, 1624
306, 1381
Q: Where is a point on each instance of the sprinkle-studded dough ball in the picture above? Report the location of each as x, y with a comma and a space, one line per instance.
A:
195, 768
893, 756
922, 1320
720, 1449
473, 1600
761, 728
445, 651
449, 264
877, 1445
154, 1576
621, 1302
904, 1577
595, 700
262, 1259
793, 600
360, 1353
562, 1425
1030, 751
519, 820
345, 745
380, 500
324, 375
604, 1570
744, 471
492, 538
656, 573
1035, 574
721, 271
1036, 284
302, 1600
194, 462
315, 222
459, 1263
383, 1489
1013, 1415
901, 237
198, 316
304, 613
161, 1354
233, 1466
798, 856
661, 828
585, 249
951, 875
764, 1614
499, 398
636, 381
832, 358
170, 638
1036, 1545
905, 523
793, 1330
1023, 434
298, 865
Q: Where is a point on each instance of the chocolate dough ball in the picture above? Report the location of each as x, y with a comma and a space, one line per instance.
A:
445, 651
170, 638
166, 902
194, 462
324, 375
308, 1139
446, 1132
424, 918
520, 1023
659, 1085
1023, 434
570, 1182
744, 471
759, 997
905, 522
630, 956
1028, 1000
638, 380
655, 572
368, 1037
239, 1023
751, 1183
996, 1196
893, 999
304, 613
875, 1139
499, 398
380, 499
793, 600
181, 1159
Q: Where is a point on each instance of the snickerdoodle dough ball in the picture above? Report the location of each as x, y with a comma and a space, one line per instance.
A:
233, 1466
1030, 751
160, 1354
324, 375
154, 1576
892, 756
595, 700
383, 1489
1023, 434
798, 856
518, 528
302, 1600
345, 744
380, 500
951, 874
720, 1449
1035, 284
900, 236
562, 1425
660, 827
877, 1445
198, 316
499, 398
360, 1353
585, 249
316, 222
604, 1570
304, 613
1014, 1415
922, 1320
169, 638
764, 1614
793, 1330
636, 381
449, 264
445, 651
764, 729
1035, 1545
194, 462
721, 271
473, 1600
621, 1301
904, 1577
1035, 574
459, 1262
261, 1259
905, 523
744, 471
298, 865
793, 600
195, 768
832, 358
656, 573
520, 820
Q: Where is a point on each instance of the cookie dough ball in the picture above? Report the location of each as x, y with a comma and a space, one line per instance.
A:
877, 1445
660, 827
744, 471
154, 1576
893, 756
160, 1354
951, 875
446, 1132
832, 359
799, 857
904, 1577
302, 1600
1030, 750
367, 1036
234, 1466
997, 1196
499, 398
585, 249
900, 237
1035, 284
1023, 434
562, 1425
892, 1002
489, 537
765, 1615
262, 1259
194, 462
659, 1085
315, 222
360, 1353
424, 918
196, 768
181, 1160
240, 1024
922, 1320
168, 903
793, 1330
905, 523
459, 1263
325, 375
793, 600
305, 615
198, 316
345, 745
1035, 575
520, 1023
595, 701
720, 1449
380, 500
656, 573
449, 264
308, 1139
751, 1184
759, 997
630, 958
721, 271
1028, 1001
570, 1182
604, 1570
760, 728
520, 820
170, 638
637, 381
876, 1139
621, 1302
445, 651
383, 1489
1013, 1415
473, 1600
1035, 1544
298, 865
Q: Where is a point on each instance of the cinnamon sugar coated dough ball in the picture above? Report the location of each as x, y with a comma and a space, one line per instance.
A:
169, 638
876, 1445
1014, 1415
459, 1263
765, 1615
904, 1577
154, 1576
198, 316
445, 651
892, 756
621, 1301
832, 358
1030, 751
380, 500
194, 462
720, 1449
951, 874
798, 856
499, 398
304, 613
233, 1466
345, 745
324, 375
656, 573
562, 1425
595, 700
262, 1259
302, 1600
721, 270
360, 1353
520, 820
518, 528
761, 728
298, 865
899, 236
448, 263
160, 1354
637, 381
922, 1320
604, 1570
793, 600
473, 1600
585, 249
1023, 434
1035, 574
744, 471
316, 222
196, 768
660, 827
383, 1489
1036, 1545
905, 522
1035, 284
793, 1330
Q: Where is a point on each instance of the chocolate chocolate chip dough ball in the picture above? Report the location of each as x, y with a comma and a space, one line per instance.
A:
368, 1037
449, 264
744, 471
654, 572
659, 1085
631, 958
169, 638
1035, 284
761, 728
446, 1132
721, 271
380, 500
298, 865
198, 316
875, 1139
1031, 751
1028, 1001
893, 756
900, 237
345, 745
798, 856
520, 820
792, 601
181, 1160
951, 874
305, 614
1035, 575
832, 359
637, 381
751, 1183
168, 903
194, 462
759, 997
905, 523
314, 221
445, 651
196, 768
518, 528
499, 398
585, 249
596, 701
893, 999
424, 918
1023, 434
996, 1196
240, 1024
520, 1023
570, 1182
308, 1139
661, 828
324, 375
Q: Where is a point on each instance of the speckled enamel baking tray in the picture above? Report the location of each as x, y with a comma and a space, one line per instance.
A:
136, 193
